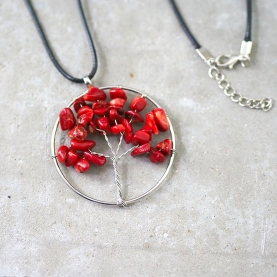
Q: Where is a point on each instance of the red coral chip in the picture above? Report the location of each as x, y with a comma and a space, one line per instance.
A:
100, 104
71, 158
116, 129
117, 93
161, 119
140, 138
85, 118
127, 125
164, 146
101, 111
78, 132
95, 159
84, 110
134, 116
62, 153
92, 127
82, 165
94, 94
103, 124
128, 137
150, 121
84, 145
114, 116
156, 156
145, 148
79, 103
67, 119
138, 104
117, 102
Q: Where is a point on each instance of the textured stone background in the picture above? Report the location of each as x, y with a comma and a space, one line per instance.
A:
216, 215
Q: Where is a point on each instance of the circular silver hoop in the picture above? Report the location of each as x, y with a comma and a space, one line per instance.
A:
127, 201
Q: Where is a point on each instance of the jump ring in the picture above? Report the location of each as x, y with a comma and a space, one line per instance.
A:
229, 91
224, 84
220, 76
213, 71
236, 97
243, 102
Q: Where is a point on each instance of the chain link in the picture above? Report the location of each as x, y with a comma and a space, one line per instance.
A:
265, 104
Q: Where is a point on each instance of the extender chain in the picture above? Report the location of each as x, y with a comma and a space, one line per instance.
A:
265, 104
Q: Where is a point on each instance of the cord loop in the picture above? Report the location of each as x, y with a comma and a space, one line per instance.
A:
50, 51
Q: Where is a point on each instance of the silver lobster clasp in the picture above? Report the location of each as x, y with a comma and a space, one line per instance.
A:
227, 60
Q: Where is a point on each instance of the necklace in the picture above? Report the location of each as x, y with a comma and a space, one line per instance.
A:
227, 61
99, 114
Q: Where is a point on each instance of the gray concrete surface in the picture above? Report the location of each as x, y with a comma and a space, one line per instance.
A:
215, 216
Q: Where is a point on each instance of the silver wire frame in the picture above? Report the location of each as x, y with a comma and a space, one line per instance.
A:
127, 201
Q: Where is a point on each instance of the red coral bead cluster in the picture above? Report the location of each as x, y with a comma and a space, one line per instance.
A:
94, 114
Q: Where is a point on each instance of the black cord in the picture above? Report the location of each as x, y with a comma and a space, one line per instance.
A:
247, 36
184, 26
49, 50
190, 36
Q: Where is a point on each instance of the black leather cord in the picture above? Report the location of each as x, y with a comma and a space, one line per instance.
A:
184, 26
50, 51
247, 36
190, 36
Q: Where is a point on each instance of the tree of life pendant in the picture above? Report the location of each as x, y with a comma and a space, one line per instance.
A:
111, 131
